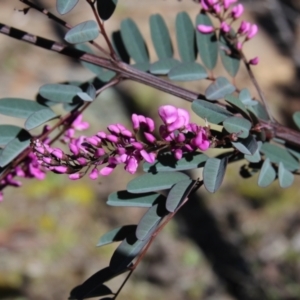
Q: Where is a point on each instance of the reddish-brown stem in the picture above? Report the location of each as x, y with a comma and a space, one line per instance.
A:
61, 22
102, 30
128, 72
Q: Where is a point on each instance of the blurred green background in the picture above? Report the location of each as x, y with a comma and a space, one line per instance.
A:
242, 242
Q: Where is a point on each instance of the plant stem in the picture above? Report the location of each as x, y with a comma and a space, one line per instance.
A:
102, 30
290, 136
122, 285
60, 22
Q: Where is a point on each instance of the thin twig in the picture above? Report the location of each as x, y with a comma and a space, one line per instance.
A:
126, 71
122, 285
259, 90
102, 30
60, 22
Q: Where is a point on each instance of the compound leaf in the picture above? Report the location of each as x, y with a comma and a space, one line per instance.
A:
212, 112
187, 71
163, 66
219, 89
116, 235
8, 132
267, 174
185, 35
154, 182
229, 56
213, 173
65, 6
237, 125
247, 146
19, 108
62, 93
15, 147
119, 46
124, 198
259, 111
207, 43
126, 252
133, 41
167, 162
255, 158
160, 37
150, 220
83, 32
106, 8
278, 154
40, 117
286, 178
237, 104
91, 284
246, 98
178, 193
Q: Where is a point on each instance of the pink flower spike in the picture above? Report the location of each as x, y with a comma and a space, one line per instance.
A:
61, 169
217, 8
254, 61
135, 122
252, 31
99, 152
75, 176
58, 153
239, 45
205, 28
126, 133
101, 135
168, 113
205, 5
47, 160
78, 125
225, 27
40, 149
178, 154
94, 174
112, 138
150, 123
184, 114
181, 137
227, 3
114, 129
1, 196
237, 11
148, 157
74, 149
178, 124
149, 137
19, 172
107, 170
131, 165
82, 161
93, 140
244, 27
137, 145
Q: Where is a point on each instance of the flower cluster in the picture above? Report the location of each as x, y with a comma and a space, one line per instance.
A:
101, 153
31, 169
227, 12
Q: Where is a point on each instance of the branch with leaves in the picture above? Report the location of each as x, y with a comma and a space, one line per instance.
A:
247, 130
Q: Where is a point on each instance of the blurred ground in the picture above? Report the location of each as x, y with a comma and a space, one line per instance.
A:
243, 238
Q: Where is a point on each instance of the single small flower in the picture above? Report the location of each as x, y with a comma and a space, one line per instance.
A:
225, 27
252, 31
205, 28
237, 11
254, 61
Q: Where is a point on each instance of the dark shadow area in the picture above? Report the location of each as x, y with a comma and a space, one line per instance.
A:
225, 258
